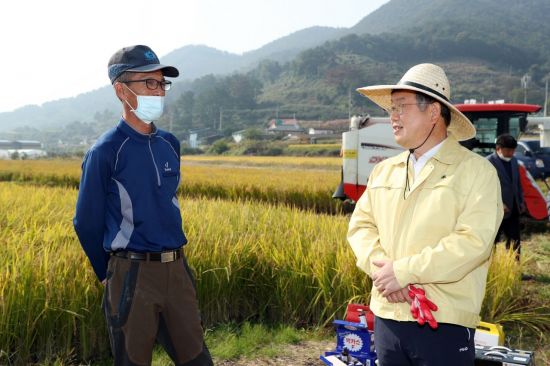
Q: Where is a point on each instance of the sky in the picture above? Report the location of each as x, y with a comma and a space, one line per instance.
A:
60, 48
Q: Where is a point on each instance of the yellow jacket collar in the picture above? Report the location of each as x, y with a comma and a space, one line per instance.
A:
448, 154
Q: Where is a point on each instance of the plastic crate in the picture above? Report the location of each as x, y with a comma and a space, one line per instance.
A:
356, 340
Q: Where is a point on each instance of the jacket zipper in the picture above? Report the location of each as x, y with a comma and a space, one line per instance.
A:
154, 163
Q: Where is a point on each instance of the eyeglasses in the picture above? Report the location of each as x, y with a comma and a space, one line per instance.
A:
399, 108
152, 84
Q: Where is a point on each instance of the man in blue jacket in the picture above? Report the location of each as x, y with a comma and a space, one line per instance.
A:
512, 194
129, 223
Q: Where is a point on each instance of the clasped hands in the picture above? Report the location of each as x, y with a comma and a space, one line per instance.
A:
387, 285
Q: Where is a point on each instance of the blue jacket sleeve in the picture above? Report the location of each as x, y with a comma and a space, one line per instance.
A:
175, 144
89, 220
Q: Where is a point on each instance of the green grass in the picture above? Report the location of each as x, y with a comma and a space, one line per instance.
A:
232, 342
315, 150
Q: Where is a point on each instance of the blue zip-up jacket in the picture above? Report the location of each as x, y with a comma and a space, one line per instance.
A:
127, 197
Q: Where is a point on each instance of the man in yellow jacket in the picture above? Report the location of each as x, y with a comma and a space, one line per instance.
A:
428, 219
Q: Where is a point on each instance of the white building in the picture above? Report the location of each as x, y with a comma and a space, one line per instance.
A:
22, 149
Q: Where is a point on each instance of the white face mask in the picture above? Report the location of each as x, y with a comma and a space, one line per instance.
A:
503, 157
149, 107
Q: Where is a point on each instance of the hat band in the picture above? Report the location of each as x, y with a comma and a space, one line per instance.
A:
425, 88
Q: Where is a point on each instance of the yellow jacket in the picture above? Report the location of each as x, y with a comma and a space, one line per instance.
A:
439, 237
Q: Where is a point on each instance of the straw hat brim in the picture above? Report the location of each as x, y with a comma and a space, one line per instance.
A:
460, 126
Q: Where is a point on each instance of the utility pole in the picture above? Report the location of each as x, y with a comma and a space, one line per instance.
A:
349, 103
211, 109
546, 96
525, 84
221, 117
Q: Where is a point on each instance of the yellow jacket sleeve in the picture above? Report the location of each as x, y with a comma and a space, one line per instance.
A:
363, 235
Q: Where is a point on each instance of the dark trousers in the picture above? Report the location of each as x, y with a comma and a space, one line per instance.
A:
409, 344
147, 302
510, 226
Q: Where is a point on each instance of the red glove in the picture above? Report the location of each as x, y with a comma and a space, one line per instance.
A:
421, 307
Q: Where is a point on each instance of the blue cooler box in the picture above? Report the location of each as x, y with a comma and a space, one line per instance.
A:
357, 340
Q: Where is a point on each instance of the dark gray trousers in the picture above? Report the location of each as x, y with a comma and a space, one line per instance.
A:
409, 344
147, 302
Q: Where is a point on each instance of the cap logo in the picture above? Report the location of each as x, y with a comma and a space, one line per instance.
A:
149, 55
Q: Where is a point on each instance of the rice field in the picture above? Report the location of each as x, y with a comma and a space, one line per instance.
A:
232, 179
254, 261
287, 162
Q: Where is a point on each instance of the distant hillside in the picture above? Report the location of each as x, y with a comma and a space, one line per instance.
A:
286, 48
193, 62
53, 114
510, 22
485, 45
484, 55
400, 15
196, 61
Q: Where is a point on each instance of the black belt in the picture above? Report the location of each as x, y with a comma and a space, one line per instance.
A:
163, 257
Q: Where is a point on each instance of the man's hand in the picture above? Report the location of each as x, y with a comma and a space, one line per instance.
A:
104, 282
384, 278
400, 296
506, 209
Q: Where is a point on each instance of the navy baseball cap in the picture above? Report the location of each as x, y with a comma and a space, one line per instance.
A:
507, 141
137, 58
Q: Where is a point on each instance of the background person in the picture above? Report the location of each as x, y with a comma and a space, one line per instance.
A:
428, 218
512, 195
129, 223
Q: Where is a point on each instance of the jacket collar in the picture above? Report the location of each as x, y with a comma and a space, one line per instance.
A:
449, 153
135, 135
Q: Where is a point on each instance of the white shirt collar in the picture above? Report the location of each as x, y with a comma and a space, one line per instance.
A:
423, 159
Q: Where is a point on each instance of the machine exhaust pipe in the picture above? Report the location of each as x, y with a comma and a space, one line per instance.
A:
339, 192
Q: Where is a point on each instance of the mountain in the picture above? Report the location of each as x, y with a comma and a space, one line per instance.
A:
196, 61
507, 21
484, 56
193, 61
53, 114
487, 45
286, 48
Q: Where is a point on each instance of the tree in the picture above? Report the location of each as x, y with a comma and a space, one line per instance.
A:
268, 71
218, 147
242, 91
252, 133
183, 113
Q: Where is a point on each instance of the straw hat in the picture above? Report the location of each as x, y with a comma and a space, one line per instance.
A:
427, 79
